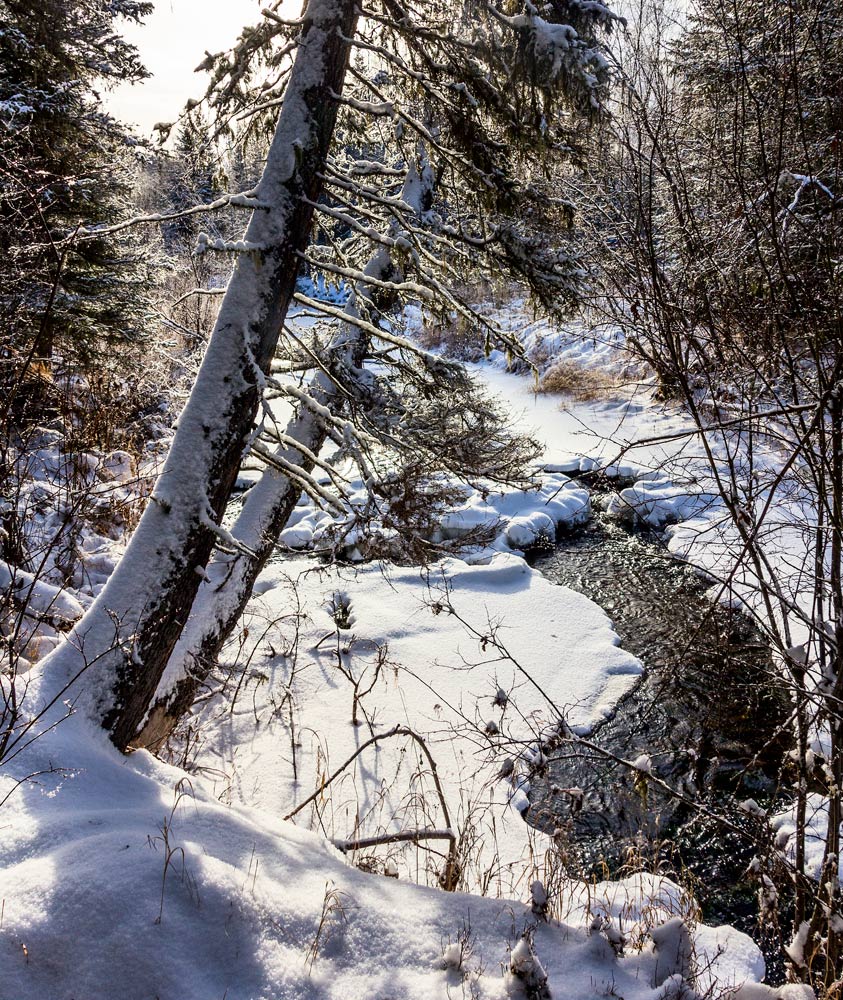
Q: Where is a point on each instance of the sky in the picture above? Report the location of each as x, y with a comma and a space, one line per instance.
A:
172, 42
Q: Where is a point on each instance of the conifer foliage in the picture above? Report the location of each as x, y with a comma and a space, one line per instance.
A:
65, 166
195, 179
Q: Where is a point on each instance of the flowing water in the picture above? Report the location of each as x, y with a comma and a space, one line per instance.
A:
702, 712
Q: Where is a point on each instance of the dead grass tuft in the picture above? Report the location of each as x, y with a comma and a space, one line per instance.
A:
584, 384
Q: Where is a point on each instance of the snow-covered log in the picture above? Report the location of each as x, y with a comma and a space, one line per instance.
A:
37, 598
124, 642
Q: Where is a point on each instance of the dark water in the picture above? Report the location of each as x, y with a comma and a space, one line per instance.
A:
703, 712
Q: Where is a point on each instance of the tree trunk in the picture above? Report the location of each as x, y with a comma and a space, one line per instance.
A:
269, 504
123, 643
228, 585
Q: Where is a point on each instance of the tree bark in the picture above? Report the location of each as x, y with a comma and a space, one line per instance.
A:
124, 642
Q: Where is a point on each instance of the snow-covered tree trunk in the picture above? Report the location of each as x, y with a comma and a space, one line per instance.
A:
228, 586
124, 642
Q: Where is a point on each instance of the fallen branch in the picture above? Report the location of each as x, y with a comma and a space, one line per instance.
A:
403, 837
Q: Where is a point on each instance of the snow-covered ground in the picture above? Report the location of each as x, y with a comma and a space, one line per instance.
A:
123, 879
128, 877
479, 656
417, 665
72, 512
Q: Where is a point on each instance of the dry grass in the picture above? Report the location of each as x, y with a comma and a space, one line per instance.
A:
584, 384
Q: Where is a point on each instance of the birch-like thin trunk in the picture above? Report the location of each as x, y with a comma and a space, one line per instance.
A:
268, 506
124, 642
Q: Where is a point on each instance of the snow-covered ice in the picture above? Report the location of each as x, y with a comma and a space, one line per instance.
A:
422, 667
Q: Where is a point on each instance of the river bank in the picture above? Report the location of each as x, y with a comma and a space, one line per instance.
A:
403, 717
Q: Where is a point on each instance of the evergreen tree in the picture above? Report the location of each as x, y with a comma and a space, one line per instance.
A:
483, 99
195, 179
65, 166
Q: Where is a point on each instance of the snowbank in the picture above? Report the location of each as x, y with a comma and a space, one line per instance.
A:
421, 646
123, 878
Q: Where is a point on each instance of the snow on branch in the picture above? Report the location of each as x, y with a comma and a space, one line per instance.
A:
288, 441
284, 21
380, 110
196, 291
204, 242
411, 287
242, 199
311, 486
371, 234
229, 542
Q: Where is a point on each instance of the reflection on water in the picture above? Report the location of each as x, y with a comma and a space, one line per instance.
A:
703, 712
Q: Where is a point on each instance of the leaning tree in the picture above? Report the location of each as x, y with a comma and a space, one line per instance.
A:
419, 137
